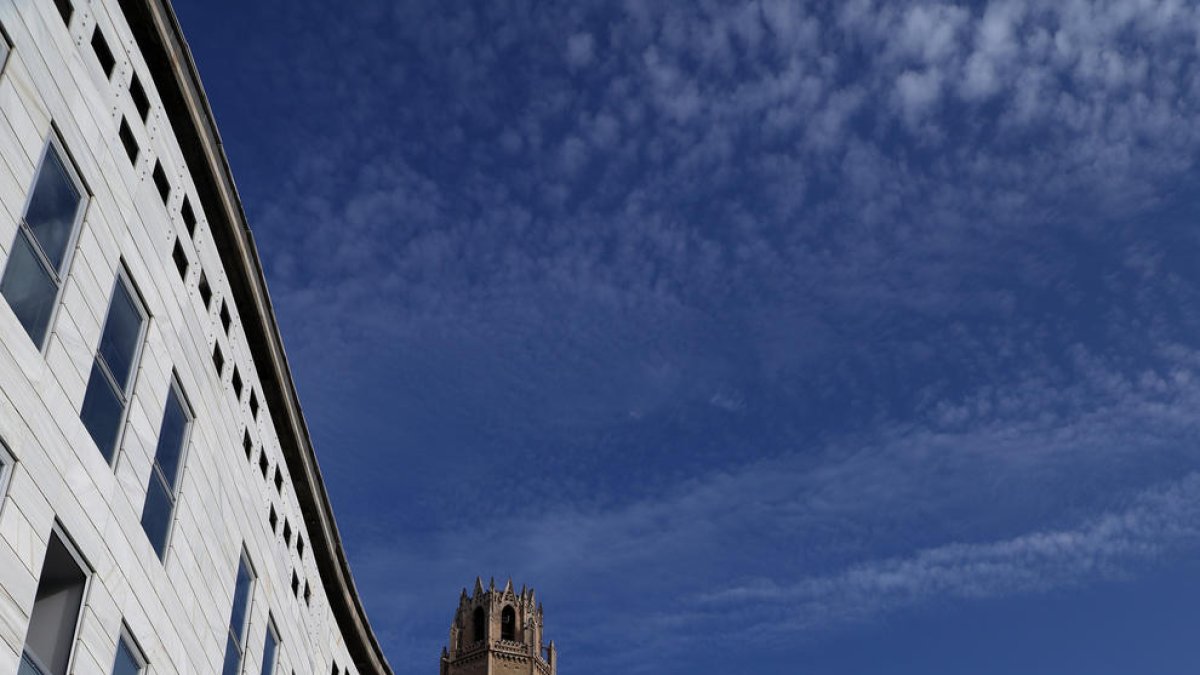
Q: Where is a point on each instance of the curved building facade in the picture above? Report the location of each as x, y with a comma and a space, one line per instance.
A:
161, 507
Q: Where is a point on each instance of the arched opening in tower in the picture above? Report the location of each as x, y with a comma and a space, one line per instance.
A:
508, 624
479, 625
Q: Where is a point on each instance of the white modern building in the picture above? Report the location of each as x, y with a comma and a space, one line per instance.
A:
161, 508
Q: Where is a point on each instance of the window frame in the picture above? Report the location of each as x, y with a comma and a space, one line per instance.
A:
272, 632
244, 631
135, 648
57, 530
53, 141
156, 472
8, 465
135, 362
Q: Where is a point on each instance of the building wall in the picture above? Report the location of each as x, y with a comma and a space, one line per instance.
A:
177, 609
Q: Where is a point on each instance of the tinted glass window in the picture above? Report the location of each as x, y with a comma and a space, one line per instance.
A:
269, 650
233, 658
127, 662
53, 207
102, 411
170, 439
122, 331
29, 289
241, 599
156, 516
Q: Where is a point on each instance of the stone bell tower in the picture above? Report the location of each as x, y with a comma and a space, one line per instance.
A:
498, 632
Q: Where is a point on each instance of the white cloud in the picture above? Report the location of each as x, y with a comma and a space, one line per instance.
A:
580, 50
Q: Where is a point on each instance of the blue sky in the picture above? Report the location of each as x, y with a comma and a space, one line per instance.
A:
765, 337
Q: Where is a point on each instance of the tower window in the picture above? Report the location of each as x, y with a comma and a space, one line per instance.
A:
103, 54
38, 259
180, 258
55, 612
163, 491
137, 94
508, 623
161, 183
235, 646
479, 625
111, 382
127, 140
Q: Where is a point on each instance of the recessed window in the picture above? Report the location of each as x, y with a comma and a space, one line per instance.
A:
65, 10
307, 594
295, 584
247, 444
163, 491
38, 259
263, 463
103, 54
180, 258
278, 480
111, 382
188, 214
254, 404
226, 320
127, 140
218, 359
56, 606
287, 532
137, 94
508, 623
205, 291
130, 660
161, 183
270, 648
239, 619
300, 545
273, 518
237, 383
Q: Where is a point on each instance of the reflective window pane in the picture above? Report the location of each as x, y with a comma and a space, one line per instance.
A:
170, 439
241, 599
127, 662
53, 207
233, 658
269, 649
156, 515
101, 413
122, 331
29, 289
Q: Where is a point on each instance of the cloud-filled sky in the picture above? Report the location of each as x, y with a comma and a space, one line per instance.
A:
765, 336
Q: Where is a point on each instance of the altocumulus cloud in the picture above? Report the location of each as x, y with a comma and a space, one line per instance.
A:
858, 305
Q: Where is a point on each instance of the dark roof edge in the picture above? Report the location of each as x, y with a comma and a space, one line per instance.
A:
160, 39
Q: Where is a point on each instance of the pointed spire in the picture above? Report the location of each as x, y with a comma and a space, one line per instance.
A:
522, 591
463, 598
508, 589
478, 587
492, 585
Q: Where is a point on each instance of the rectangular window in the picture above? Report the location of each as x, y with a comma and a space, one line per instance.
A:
239, 618
113, 369
38, 260
130, 660
270, 649
163, 491
55, 615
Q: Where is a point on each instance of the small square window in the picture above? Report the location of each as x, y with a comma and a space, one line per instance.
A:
180, 258
218, 359
287, 532
278, 480
254, 404
295, 584
237, 383
205, 291
127, 140
65, 10
137, 94
248, 444
226, 320
103, 54
161, 182
273, 518
263, 464
189, 216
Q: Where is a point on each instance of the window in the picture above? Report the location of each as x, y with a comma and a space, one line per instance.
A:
127, 140
248, 444
239, 618
273, 519
508, 623
307, 594
300, 545
263, 463
236, 381
479, 625
138, 95
161, 182
55, 615
287, 535
130, 660
254, 404
111, 382
225, 318
103, 54
38, 260
205, 291
270, 648
218, 359
65, 10
189, 216
278, 480
163, 491
180, 258
295, 584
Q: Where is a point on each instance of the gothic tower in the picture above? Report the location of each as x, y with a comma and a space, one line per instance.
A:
498, 632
